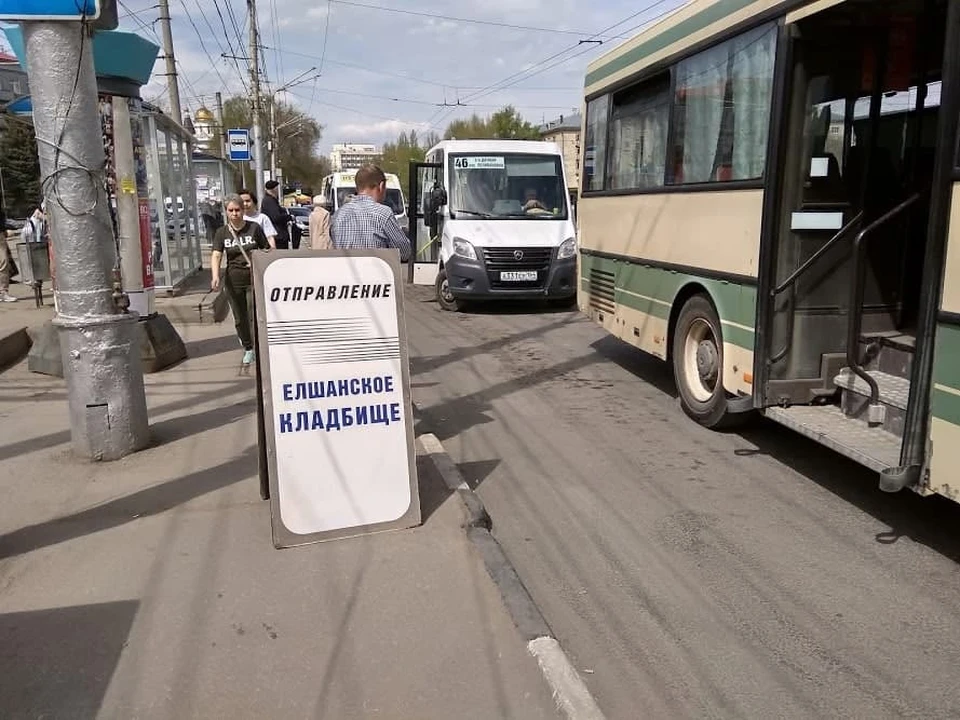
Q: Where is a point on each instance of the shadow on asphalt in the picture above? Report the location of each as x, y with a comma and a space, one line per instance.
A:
422, 365
178, 428
433, 490
144, 503
641, 365
214, 346
931, 521
44, 442
59, 662
527, 307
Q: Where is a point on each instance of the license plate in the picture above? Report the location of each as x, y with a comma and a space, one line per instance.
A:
518, 276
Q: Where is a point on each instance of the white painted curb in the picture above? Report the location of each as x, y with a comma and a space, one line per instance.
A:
569, 690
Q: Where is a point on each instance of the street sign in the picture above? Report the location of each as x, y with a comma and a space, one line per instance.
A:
40, 10
334, 394
238, 141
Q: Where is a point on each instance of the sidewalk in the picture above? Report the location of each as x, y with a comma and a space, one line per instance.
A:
149, 587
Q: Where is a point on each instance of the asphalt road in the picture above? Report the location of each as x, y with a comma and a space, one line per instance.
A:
689, 573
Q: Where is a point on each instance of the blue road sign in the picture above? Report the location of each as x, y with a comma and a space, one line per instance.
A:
16, 10
239, 142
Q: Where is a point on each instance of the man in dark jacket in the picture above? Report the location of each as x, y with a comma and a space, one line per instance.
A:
278, 215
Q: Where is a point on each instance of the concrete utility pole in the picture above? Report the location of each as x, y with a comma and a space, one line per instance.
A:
273, 138
98, 339
172, 87
257, 98
224, 151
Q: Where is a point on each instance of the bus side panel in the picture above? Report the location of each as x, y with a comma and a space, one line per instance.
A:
645, 297
945, 395
597, 298
716, 231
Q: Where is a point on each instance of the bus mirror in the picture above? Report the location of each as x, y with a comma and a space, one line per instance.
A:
438, 197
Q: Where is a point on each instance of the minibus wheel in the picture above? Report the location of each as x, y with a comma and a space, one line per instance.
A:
444, 297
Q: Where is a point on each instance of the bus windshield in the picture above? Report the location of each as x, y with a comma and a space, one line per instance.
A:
393, 200
508, 186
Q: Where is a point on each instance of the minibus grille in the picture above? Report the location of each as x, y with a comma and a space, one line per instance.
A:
499, 260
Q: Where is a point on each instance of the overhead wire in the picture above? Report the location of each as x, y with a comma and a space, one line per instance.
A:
526, 73
229, 49
472, 21
203, 44
235, 54
326, 35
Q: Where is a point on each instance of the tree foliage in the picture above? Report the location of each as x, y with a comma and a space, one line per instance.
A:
505, 124
409, 147
298, 137
20, 166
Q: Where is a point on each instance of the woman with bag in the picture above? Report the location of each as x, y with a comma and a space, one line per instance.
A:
236, 240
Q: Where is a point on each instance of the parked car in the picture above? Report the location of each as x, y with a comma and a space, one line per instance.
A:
301, 216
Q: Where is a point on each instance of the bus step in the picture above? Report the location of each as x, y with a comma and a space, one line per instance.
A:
890, 352
853, 438
894, 394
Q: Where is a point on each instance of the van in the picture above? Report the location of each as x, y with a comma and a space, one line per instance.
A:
338, 188
501, 211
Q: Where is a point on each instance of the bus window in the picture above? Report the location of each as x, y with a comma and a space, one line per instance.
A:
638, 136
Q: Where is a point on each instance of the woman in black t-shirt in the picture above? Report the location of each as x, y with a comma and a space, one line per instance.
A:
237, 239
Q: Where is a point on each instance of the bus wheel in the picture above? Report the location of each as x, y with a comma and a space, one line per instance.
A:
698, 362
444, 297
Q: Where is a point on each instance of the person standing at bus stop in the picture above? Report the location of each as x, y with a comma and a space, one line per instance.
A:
237, 240
319, 225
270, 206
366, 223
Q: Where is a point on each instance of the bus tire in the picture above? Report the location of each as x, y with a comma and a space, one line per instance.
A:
698, 363
444, 297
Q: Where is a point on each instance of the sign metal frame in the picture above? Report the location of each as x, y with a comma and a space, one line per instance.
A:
267, 412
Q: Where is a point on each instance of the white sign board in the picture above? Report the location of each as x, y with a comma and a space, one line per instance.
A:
479, 163
238, 140
335, 390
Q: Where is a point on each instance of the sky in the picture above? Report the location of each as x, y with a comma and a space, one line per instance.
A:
371, 72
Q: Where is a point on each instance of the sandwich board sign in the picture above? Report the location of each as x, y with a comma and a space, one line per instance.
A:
238, 140
337, 456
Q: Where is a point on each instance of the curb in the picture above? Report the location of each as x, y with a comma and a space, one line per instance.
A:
569, 691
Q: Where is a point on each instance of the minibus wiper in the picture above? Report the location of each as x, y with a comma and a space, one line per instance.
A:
477, 212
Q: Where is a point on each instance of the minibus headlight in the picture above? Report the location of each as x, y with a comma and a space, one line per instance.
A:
464, 249
568, 249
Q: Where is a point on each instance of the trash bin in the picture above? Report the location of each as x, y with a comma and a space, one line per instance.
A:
33, 259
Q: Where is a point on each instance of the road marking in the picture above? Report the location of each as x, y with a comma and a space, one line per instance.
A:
569, 690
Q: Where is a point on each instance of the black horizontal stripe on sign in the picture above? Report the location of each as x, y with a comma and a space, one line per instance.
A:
319, 321
345, 342
348, 360
317, 336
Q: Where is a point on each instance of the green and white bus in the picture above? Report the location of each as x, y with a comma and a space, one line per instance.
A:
770, 201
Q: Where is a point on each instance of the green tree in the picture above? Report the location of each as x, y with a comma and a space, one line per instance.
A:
396, 156
298, 137
20, 166
505, 124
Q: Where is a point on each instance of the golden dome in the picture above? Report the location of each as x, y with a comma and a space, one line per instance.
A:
204, 115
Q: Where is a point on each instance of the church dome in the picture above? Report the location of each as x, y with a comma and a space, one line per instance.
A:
204, 115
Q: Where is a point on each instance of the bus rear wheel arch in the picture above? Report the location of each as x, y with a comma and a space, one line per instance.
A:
697, 355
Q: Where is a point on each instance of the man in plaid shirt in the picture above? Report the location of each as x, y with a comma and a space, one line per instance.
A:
365, 222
